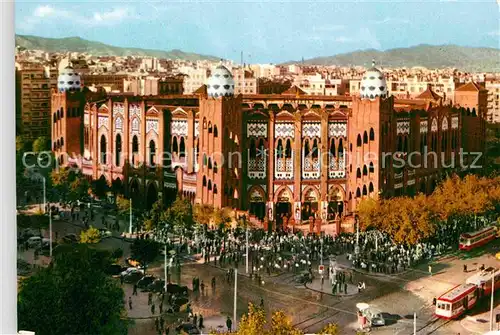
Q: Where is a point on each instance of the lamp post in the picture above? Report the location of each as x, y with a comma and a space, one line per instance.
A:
246, 237
50, 230
356, 249
130, 223
165, 265
235, 293
44, 195
492, 298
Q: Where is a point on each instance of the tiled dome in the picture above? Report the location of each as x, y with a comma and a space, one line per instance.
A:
220, 83
373, 84
68, 80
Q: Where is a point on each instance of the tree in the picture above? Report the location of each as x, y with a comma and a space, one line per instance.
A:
180, 215
90, 236
61, 179
123, 205
145, 251
42, 143
37, 222
203, 214
72, 296
78, 188
330, 329
282, 325
23, 144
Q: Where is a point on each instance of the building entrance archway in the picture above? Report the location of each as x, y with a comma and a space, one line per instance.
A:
310, 204
335, 203
257, 204
283, 207
152, 195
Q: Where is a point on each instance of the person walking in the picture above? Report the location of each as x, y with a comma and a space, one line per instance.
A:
262, 303
134, 292
202, 286
465, 267
200, 322
345, 288
153, 309
150, 298
213, 282
229, 323
195, 319
430, 269
130, 303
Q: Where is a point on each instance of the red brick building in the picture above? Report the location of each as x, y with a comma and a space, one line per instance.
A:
283, 158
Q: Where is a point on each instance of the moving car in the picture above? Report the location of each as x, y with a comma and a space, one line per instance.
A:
177, 289
34, 241
70, 238
373, 317
129, 271
157, 286
105, 233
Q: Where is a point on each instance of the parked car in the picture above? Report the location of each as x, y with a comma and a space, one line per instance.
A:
45, 249
177, 289
129, 271
157, 286
34, 241
145, 281
115, 270
133, 277
188, 328
105, 233
373, 317
70, 238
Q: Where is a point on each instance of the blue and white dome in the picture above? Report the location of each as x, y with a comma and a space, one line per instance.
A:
69, 80
373, 84
220, 83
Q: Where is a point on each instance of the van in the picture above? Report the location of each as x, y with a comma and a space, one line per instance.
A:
34, 241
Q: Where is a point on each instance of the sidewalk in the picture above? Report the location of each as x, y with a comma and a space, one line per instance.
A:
479, 323
327, 287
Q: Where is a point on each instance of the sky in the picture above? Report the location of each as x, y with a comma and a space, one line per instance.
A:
265, 31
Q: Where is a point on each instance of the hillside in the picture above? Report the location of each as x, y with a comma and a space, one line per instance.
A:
77, 44
430, 56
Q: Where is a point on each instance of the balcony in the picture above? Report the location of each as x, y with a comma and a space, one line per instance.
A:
336, 168
256, 168
284, 168
311, 168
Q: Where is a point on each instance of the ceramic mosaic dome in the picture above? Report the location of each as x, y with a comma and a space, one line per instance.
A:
373, 84
68, 80
220, 83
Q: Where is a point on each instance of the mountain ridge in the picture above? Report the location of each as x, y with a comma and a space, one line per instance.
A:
78, 44
426, 55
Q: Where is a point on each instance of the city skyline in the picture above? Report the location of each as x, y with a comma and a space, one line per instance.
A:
265, 32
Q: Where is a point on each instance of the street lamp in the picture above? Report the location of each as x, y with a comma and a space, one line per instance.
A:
356, 249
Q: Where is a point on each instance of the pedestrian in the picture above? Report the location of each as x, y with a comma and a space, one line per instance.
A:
153, 309
213, 282
135, 290
161, 308
157, 324
200, 322
359, 287
121, 280
229, 323
363, 286
262, 303
195, 319
430, 269
130, 303
202, 287
345, 288
465, 267
150, 298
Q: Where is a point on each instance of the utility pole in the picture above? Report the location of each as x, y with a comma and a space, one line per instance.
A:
246, 265
415, 323
492, 298
50, 230
321, 241
44, 195
357, 235
165, 270
235, 294
130, 224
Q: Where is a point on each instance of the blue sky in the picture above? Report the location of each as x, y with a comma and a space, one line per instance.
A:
266, 31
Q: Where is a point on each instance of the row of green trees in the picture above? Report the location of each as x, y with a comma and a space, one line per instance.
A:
411, 220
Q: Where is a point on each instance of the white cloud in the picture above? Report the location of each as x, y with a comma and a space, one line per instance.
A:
46, 13
389, 20
494, 33
343, 39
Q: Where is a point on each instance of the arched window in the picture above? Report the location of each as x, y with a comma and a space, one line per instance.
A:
253, 149
209, 185
58, 114
370, 188
175, 146
118, 149
55, 117
365, 192
215, 189
358, 173
315, 151
261, 148
204, 181
216, 133
365, 171
279, 149
405, 144
365, 137
306, 148
371, 168
215, 166
288, 151
205, 160
372, 135
204, 123
332, 148
135, 144
358, 193
62, 112
182, 148
209, 127
103, 149
152, 153
209, 163
341, 148
359, 143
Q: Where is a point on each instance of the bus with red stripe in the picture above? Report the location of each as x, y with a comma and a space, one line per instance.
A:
473, 240
456, 301
483, 280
